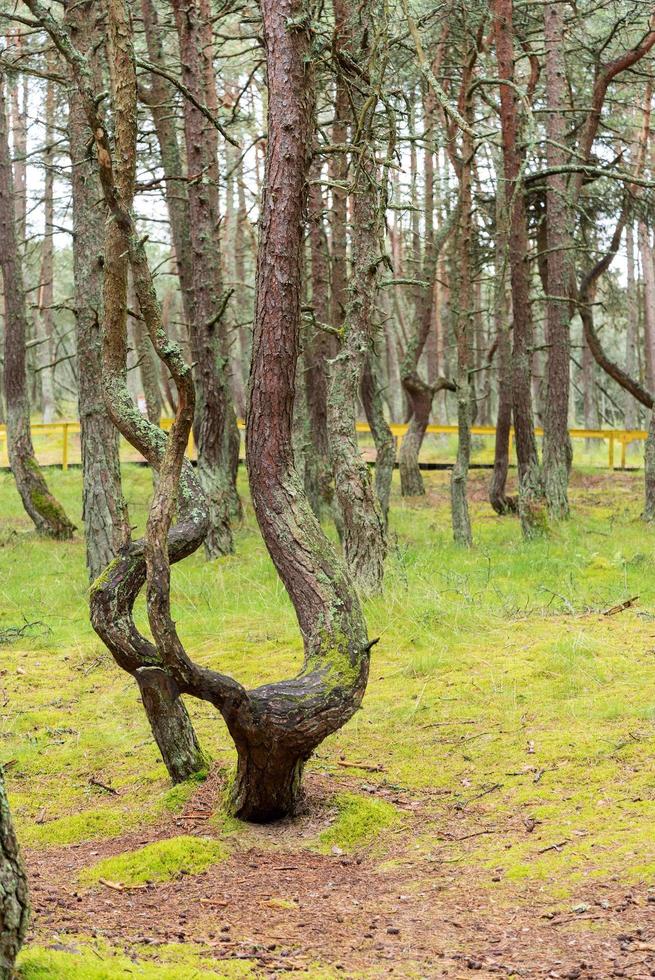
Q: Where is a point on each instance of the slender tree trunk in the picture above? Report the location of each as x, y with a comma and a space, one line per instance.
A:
648, 272
501, 503
364, 537
14, 900
632, 324
649, 471
317, 351
385, 446
47, 514
106, 522
461, 521
215, 427
530, 478
557, 450
46, 289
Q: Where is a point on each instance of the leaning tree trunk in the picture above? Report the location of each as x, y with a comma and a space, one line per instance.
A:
14, 901
47, 514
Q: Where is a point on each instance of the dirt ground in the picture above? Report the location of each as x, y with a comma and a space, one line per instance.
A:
287, 908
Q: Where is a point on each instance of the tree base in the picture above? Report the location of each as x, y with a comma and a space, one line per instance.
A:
267, 785
170, 724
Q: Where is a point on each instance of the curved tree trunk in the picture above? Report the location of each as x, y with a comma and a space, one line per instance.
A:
14, 900
47, 513
274, 727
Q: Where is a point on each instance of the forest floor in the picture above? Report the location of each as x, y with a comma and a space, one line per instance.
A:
488, 813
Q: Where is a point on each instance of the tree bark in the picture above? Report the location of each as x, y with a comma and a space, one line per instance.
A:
364, 537
385, 446
557, 450
14, 899
46, 288
215, 427
47, 514
649, 471
530, 477
632, 325
106, 521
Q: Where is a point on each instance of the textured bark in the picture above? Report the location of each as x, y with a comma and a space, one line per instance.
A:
215, 427
530, 477
14, 900
557, 450
113, 593
47, 514
364, 537
104, 511
274, 727
318, 348
385, 446
338, 173
649, 471
462, 243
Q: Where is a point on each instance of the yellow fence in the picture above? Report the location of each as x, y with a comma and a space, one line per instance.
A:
58, 443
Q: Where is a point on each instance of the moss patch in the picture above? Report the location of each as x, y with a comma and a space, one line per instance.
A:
98, 961
160, 861
359, 823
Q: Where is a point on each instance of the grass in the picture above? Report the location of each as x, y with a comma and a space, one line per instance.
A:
161, 861
498, 686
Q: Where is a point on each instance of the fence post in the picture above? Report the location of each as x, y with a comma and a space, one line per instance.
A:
64, 446
611, 451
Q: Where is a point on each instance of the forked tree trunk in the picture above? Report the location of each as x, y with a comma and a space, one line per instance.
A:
14, 899
47, 514
275, 727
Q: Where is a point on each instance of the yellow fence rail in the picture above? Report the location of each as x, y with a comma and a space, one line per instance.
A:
54, 441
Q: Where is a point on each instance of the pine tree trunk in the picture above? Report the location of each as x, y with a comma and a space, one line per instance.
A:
47, 514
14, 900
215, 427
632, 327
530, 477
46, 290
385, 446
557, 450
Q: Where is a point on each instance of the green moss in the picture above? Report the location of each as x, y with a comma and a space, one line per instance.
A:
359, 822
74, 829
104, 576
157, 862
94, 960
